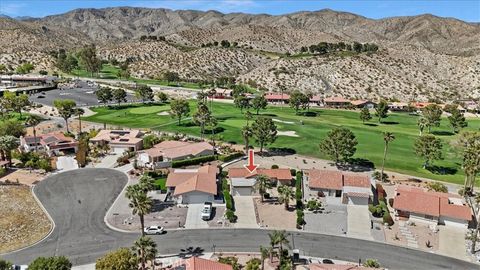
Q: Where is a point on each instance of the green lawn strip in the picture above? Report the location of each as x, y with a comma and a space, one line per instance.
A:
160, 183
401, 157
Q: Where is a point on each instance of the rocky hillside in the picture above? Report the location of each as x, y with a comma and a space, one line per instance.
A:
420, 57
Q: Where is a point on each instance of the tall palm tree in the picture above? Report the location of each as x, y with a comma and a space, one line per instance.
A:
286, 193
387, 138
33, 121
422, 123
79, 112
263, 183
264, 253
145, 249
147, 183
279, 238
140, 203
247, 133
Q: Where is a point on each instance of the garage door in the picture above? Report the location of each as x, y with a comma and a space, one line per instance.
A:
193, 199
119, 150
242, 191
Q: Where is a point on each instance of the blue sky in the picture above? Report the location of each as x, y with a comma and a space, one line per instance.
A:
467, 10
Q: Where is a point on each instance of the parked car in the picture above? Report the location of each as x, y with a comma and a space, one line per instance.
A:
19, 267
154, 230
327, 261
207, 211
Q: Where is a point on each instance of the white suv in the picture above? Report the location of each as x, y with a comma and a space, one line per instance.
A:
207, 211
154, 230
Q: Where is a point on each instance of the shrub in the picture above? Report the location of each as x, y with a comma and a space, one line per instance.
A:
376, 175
192, 161
231, 216
293, 172
229, 157
253, 264
300, 218
150, 140
387, 218
228, 200
313, 205
371, 263
380, 192
390, 202
274, 166
436, 186
2, 171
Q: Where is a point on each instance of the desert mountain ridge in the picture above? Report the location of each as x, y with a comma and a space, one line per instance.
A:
420, 57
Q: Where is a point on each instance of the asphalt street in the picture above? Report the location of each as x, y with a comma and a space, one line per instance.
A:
78, 200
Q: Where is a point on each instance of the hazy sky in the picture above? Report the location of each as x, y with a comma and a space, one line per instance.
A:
467, 10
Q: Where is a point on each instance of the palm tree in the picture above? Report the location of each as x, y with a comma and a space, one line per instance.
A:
422, 123
33, 121
263, 183
286, 193
279, 238
145, 249
387, 138
264, 253
140, 203
212, 92
247, 133
79, 112
7, 145
147, 183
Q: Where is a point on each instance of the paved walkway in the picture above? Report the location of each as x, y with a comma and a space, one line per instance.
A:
358, 222
194, 219
245, 211
66, 163
451, 242
405, 231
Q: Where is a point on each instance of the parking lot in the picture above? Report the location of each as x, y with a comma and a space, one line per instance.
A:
83, 94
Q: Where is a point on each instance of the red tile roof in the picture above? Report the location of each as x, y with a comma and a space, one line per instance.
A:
336, 179
196, 263
279, 174
203, 179
337, 100
325, 179
276, 96
356, 180
418, 200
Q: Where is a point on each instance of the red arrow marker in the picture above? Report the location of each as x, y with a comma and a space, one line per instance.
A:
251, 167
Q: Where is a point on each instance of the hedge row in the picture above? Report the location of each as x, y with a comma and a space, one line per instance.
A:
227, 158
298, 198
192, 161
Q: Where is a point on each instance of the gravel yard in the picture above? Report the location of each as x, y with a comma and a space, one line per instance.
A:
23, 222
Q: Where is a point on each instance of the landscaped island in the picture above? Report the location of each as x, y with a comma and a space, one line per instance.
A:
304, 133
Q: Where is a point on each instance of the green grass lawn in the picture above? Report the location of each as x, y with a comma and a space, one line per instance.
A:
160, 183
401, 156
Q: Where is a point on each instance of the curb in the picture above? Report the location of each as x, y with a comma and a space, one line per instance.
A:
105, 219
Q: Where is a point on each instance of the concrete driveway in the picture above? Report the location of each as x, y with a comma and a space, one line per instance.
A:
108, 161
194, 219
66, 163
245, 211
451, 242
358, 220
332, 221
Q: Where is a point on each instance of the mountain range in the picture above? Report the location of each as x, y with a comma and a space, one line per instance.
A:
419, 57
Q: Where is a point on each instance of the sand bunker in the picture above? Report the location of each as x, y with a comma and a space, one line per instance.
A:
289, 133
163, 113
281, 121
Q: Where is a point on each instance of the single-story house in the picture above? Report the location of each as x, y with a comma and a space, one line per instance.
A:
316, 100
221, 93
276, 98
398, 106
193, 186
243, 182
119, 140
161, 155
363, 104
419, 205
336, 102
352, 188
421, 105
197, 263
50, 143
